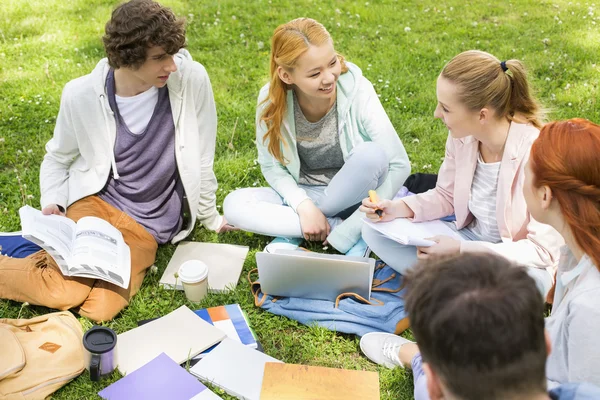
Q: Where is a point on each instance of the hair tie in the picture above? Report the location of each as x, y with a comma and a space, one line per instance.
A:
503, 65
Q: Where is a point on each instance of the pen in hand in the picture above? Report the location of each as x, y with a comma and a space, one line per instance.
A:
375, 199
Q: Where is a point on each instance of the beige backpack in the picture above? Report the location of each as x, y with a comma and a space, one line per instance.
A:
39, 355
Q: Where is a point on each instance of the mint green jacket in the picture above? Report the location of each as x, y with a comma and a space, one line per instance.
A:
361, 118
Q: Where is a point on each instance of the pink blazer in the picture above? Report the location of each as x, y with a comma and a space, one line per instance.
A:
524, 240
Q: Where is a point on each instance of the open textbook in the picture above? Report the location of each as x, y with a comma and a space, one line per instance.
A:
90, 248
410, 233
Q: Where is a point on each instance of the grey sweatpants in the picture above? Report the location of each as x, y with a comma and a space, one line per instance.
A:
263, 211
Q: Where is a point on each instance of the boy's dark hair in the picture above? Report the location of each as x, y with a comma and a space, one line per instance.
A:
479, 323
138, 25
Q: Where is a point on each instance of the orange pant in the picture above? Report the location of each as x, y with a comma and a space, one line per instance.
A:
38, 280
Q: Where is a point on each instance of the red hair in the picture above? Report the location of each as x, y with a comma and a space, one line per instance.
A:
566, 158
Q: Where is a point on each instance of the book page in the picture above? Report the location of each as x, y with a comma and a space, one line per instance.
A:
53, 233
99, 251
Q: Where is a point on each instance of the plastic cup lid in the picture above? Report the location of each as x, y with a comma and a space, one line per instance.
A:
193, 271
99, 339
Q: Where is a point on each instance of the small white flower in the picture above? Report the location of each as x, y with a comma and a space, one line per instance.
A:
407, 29
153, 269
1, 139
30, 151
242, 35
233, 17
548, 79
416, 140
568, 86
570, 104
30, 196
261, 45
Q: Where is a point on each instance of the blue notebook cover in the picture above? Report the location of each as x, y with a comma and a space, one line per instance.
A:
232, 321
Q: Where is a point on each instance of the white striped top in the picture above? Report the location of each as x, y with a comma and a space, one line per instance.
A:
482, 202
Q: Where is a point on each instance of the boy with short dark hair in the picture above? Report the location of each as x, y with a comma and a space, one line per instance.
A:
134, 145
479, 322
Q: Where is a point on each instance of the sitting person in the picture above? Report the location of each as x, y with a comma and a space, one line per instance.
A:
134, 145
324, 140
479, 322
492, 120
562, 189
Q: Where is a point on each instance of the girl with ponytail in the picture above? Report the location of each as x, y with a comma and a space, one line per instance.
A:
492, 119
323, 141
562, 189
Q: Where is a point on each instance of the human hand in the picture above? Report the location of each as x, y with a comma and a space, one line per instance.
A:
226, 227
444, 245
313, 222
390, 210
53, 209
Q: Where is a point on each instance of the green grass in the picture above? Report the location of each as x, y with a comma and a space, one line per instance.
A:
46, 43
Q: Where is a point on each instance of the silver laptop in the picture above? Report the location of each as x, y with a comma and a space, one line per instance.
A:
314, 275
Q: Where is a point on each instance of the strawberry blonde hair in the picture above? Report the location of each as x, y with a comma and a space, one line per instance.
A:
486, 81
289, 42
565, 157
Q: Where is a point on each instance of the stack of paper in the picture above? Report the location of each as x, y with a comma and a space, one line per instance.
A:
162, 378
180, 334
300, 382
411, 233
235, 368
224, 261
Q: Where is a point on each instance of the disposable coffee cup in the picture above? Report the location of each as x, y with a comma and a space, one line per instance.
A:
193, 275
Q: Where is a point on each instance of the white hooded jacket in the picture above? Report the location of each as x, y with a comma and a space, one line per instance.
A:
80, 155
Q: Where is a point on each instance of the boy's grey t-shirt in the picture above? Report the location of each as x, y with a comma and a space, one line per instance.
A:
318, 145
149, 188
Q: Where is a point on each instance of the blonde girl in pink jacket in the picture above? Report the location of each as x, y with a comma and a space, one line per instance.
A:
492, 119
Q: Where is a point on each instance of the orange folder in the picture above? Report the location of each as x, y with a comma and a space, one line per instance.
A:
303, 382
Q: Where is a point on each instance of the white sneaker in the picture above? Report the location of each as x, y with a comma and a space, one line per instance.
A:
383, 348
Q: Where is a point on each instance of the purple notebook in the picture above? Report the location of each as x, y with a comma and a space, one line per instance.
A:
162, 378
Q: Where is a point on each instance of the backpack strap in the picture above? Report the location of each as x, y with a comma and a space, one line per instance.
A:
372, 302
379, 282
255, 289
